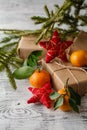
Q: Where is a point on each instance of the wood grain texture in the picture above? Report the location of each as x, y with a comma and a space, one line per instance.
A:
15, 113
17, 13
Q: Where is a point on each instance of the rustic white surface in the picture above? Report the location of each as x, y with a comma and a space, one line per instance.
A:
15, 113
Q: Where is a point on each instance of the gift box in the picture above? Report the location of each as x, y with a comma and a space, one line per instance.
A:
26, 46
60, 72
79, 42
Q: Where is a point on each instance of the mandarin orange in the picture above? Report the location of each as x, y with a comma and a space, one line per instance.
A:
79, 58
39, 78
66, 106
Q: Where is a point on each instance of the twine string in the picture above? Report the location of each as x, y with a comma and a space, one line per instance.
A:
60, 63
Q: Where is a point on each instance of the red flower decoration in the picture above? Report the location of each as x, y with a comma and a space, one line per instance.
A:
41, 95
55, 47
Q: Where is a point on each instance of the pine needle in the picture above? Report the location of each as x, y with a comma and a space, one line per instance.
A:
10, 76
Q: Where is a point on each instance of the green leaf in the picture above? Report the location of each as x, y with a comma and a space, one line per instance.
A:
37, 53
59, 102
23, 72
73, 104
78, 101
67, 82
54, 95
28, 67
32, 61
75, 96
33, 58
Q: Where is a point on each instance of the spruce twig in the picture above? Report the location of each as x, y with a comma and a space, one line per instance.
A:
64, 15
9, 73
9, 46
10, 76
5, 62
8, 39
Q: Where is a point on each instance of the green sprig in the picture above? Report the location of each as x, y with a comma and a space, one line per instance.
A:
6, 62
29, 66
63, 15
74, 98
10, 76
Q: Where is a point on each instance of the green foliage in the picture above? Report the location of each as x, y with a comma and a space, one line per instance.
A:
74, 99
29, 66
33, 58
73, 104
59, 102
54, 95
68, 14
23, 72
74, 96
8, 57
10, 76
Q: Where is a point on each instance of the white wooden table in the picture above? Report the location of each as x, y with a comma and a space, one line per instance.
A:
15, 113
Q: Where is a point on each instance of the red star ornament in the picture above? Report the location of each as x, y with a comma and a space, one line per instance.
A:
41, 95
55, 47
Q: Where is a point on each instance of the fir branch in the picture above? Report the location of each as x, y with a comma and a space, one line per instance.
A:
1, 67
58, 15
38, 19
6, 57
63, 15
17, 60
47, 11
84, 6
83, 18
56, 6
4, 60
20, 33
41, 35
9, 46
9, 73
10, 76
9, 38
15, 65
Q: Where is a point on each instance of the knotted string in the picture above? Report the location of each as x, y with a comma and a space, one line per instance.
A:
60, 63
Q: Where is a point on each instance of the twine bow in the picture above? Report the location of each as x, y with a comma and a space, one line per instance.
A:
69, 68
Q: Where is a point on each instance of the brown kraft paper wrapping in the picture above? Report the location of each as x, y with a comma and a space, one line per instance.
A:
77, 77
80, 42
26, 46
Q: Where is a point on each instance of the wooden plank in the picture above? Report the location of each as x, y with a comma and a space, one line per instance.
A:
15, 113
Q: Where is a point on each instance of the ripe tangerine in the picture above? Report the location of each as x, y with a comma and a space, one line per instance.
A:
79, 58
66, 106
39, 78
